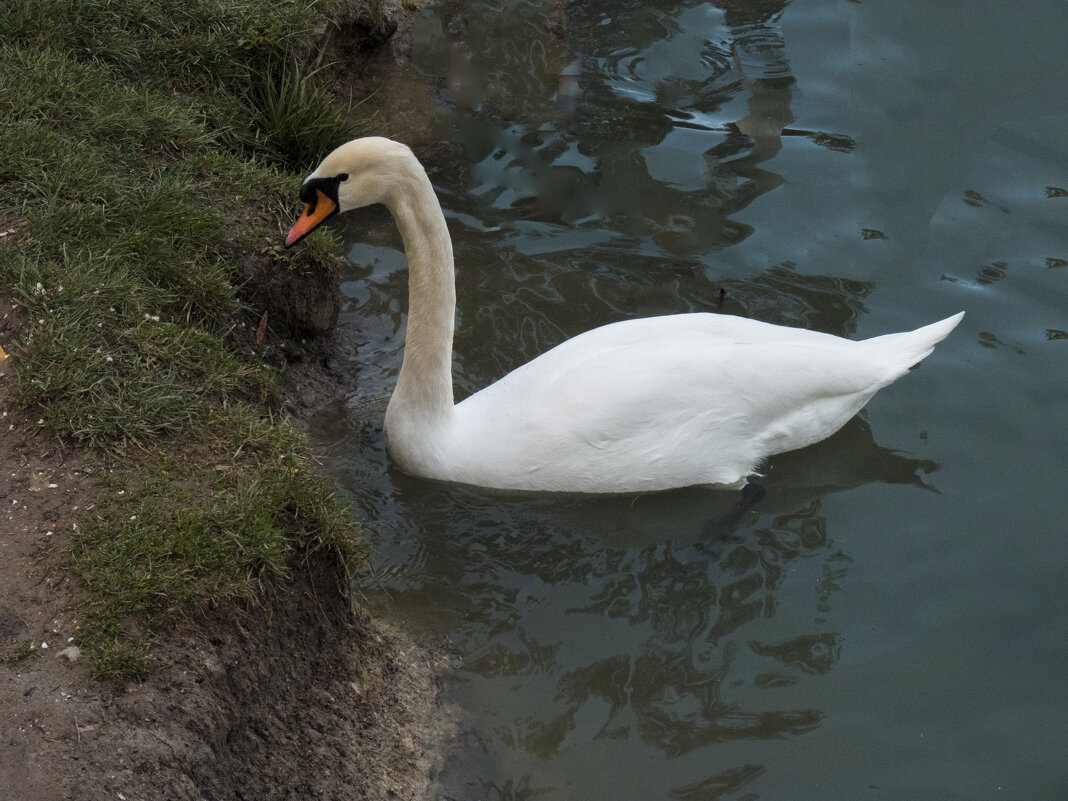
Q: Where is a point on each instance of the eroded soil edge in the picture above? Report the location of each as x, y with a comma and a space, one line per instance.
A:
302, 697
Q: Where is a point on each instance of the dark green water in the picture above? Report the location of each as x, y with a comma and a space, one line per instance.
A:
891, 620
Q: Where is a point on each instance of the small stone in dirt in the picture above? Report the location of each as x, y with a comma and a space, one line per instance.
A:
72, 653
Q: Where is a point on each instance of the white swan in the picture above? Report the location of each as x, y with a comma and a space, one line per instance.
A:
639, 405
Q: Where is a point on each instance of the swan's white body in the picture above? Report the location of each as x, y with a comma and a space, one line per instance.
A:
640, 405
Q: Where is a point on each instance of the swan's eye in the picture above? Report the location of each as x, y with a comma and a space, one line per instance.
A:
343, 177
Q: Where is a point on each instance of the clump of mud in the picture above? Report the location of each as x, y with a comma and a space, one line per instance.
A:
302, 697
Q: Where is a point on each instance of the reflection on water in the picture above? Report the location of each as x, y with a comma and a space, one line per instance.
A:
800, 639
593, 627
607, 105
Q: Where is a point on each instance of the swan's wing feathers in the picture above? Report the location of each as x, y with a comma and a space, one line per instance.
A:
699, 402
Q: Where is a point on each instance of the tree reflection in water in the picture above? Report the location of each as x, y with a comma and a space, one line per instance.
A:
692, 600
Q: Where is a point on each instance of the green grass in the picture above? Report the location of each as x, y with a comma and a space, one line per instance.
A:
20, 653
147, 148
298, 119
194, 43
194, 533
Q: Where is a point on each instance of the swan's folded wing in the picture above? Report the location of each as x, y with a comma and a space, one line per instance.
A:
668, 408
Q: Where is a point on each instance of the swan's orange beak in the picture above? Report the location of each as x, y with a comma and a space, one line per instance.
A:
314, 214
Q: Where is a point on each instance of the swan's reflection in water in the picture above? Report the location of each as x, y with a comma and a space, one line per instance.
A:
673, 622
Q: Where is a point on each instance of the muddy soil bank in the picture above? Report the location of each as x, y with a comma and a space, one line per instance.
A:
301, 697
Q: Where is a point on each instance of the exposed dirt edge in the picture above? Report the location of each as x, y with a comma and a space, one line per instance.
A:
302, 699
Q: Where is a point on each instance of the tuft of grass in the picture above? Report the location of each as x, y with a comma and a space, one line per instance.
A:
195, 534
298, 120
20, 653
191, 44
148, 149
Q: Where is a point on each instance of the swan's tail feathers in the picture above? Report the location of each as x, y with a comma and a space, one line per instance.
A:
902, 351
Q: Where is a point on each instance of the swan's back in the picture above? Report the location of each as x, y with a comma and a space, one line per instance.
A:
669, 401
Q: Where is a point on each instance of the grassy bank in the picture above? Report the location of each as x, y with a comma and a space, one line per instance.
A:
146, 150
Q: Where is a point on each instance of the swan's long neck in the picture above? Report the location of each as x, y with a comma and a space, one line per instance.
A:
423, 395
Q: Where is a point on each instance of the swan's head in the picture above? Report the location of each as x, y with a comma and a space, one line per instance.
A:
359, 173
